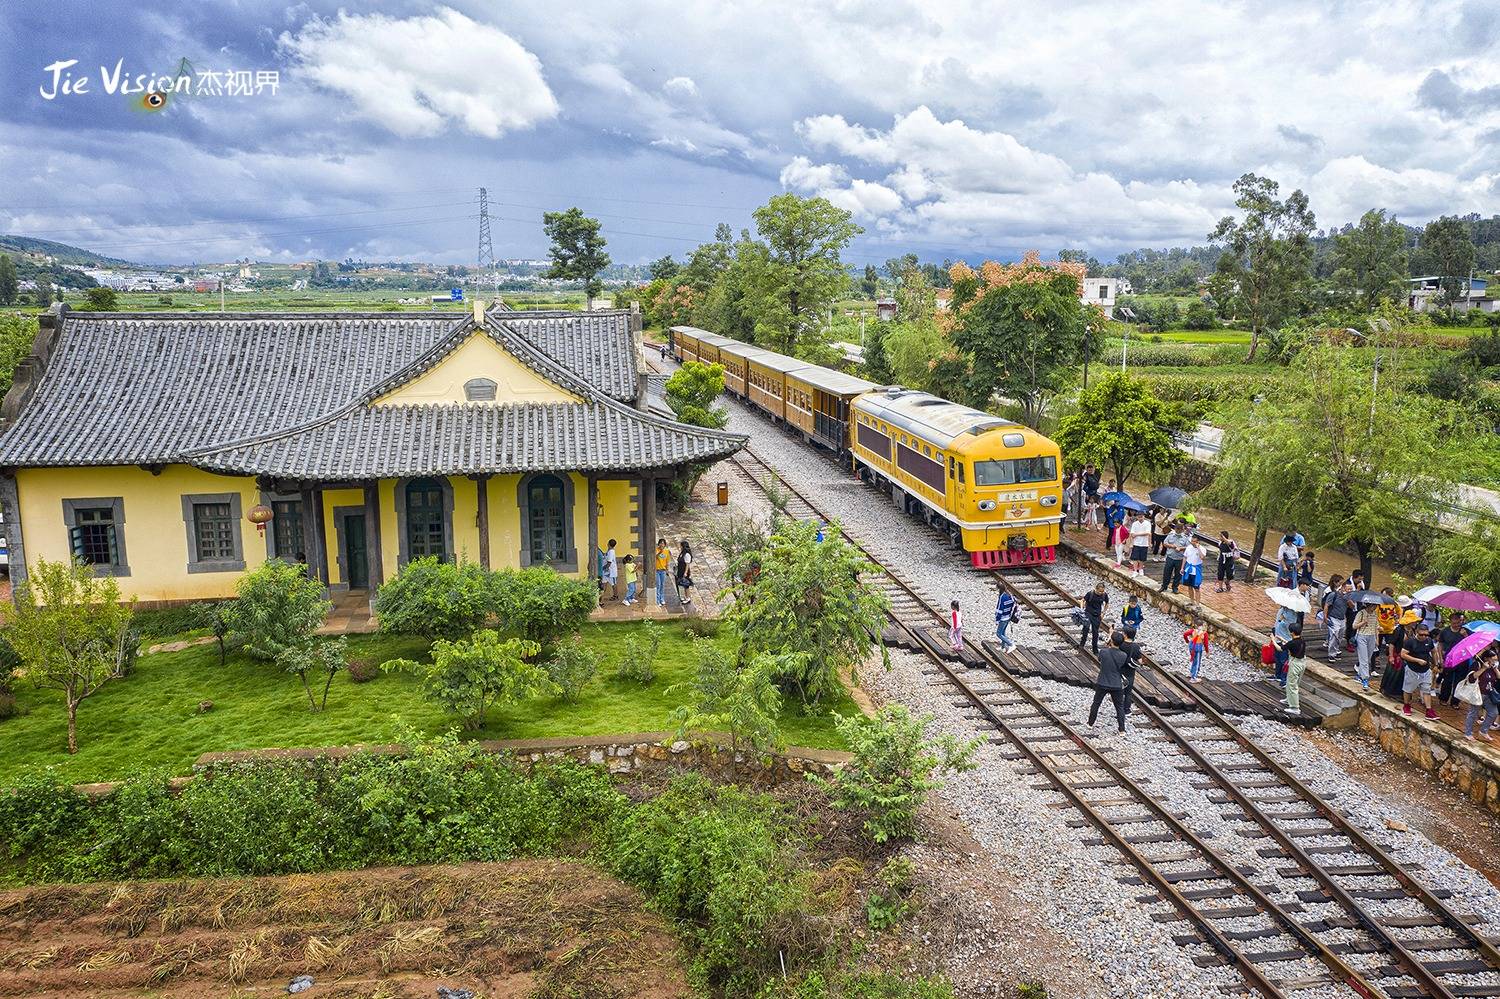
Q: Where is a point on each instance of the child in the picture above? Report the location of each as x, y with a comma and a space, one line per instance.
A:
629, 580
1197, 643
955, 627
1192, 568
1130, 617
611, 570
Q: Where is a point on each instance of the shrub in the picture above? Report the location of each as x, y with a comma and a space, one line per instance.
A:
278, 609
701, 627
167, 621
468, 676
724, 694
540, 604
363, 670
838, 984
217, 618
890, 901
435, 599
637, 660
327, 656
895, 764
572, 666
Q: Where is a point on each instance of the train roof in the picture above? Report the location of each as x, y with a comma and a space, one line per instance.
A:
934, 419
740, 348
778, 362
833, 382
715, 339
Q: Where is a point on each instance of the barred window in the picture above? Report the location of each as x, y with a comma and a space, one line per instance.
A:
286, 528
94, 536
213, 531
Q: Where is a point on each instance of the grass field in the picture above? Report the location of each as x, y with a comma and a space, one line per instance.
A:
150, 719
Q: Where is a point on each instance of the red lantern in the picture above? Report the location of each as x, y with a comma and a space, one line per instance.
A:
260, 515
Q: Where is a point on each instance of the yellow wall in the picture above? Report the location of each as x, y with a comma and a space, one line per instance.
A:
477, 357
619, 518
506, 536
390, 540
155, 535
334, 498
465, 519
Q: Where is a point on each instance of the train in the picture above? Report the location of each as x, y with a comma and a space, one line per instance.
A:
993, 485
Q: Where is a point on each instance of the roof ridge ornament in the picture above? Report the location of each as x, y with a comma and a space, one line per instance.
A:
478, 312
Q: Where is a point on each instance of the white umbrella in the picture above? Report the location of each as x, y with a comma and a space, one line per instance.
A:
1426, 593
1289, 598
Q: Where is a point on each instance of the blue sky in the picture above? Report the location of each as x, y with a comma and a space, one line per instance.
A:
957, 129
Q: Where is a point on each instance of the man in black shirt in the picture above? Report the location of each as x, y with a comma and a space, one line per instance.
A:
1111, 681
1446, 639
1133, 653
1094, 603
1418, 655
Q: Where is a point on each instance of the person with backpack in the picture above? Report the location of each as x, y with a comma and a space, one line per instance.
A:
1094, 603
1366, 639
1006, 611
1113, 662
685, 571
1334, 608
1418, 654
1132, 615
1196, 638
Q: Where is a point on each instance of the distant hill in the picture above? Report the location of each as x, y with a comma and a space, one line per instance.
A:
62, 252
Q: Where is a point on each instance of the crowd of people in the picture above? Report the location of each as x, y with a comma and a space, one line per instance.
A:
620, 577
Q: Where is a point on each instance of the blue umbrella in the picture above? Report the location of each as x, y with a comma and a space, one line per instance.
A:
1117, 497
1485, 627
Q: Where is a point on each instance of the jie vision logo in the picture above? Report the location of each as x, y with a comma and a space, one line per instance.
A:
154, 91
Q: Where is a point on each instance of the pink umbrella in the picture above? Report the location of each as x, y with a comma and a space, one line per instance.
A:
1464, 600
1467, 647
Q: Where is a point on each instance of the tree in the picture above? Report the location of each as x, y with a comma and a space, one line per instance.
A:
916, 301
102, 299
218, 618
8, 283
577, 249
895, 764
541, 603
736, 696
1265, 268
17, 335
877, 364
803, 272
435, 599
1088, 260
468, 677
1370, 259
1199, 316
1250, 480
910, 350
1121, 423
691, 392
808, 597
43, 294
1471, 559
1446, 242
330, 656
1022, 328
871, 283
897, 266
278, 609
663, 268
571, 668
69, 629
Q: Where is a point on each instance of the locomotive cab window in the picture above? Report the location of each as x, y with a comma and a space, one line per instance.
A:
1011, 471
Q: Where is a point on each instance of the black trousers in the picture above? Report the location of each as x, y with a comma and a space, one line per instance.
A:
1091, 626
1129, 674
1447, 680
1118, 696
1171, 573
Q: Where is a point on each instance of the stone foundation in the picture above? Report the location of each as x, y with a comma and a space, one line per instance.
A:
1435, 749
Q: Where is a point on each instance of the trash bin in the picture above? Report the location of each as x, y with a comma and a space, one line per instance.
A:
723, 494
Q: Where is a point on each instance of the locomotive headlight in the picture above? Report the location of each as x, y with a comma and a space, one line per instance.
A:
1049, 501
986, 504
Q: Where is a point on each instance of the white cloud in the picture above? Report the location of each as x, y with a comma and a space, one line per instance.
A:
417, 76
865, 200
801, 174
680, 88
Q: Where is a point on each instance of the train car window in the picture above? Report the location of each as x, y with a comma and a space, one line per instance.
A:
1014, 440
1010, 471
951, 464
960, 471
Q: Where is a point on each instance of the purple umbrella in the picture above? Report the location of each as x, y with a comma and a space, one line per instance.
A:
1466, 648
1464, 600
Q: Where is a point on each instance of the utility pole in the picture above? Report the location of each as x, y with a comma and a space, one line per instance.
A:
486, 248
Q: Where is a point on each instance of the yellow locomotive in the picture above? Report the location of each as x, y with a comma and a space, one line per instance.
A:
993, 485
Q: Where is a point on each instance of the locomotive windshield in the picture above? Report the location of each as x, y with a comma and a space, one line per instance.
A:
1011, 471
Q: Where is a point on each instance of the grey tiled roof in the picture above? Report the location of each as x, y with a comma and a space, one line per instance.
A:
124, 389
469, 438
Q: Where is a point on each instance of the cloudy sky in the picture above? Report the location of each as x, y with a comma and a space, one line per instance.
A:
950, 129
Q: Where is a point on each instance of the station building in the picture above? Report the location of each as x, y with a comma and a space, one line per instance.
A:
142, 443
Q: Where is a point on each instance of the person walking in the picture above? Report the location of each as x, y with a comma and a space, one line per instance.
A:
1449, 676
1334, 610
1173, 548
663, 559
685, 571
1006, 609
1094, 603
1192, 568
1114, 516
1418, 655
629, 580
1281, 635
1131, 615
1133, 653
1366, 642
1486, 674
611, 570
1287, 557
1296, 651
1394, 675
1196, 639
1140, 543
955, 627
1119, 534
1229, 554
1113, 662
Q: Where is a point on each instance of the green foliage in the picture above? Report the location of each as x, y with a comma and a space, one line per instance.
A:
1370, 259
738, 698
101, 299
1470, 560
895, 764
540, 604
445, 801
1120, 422
572, 667
17, 334
1265, 270
435, 599
327, 657
1446, 243
802, 273
808, 598
692, 391
1200, 316
838, 984
715, 859
663, 268
468, 676
71, 632
637, 662
577, 248
877, 360
217, 617
278, 609
889, 902
1031, 990
8, 283
911, 349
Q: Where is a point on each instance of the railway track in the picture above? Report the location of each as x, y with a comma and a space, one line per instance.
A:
1303, 917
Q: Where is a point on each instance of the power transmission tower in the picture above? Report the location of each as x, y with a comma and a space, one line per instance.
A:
486, 248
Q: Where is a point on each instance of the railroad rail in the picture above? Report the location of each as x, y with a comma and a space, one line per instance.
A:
1277, 947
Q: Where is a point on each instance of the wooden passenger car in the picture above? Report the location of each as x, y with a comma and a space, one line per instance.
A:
768, 381
734, 356
818, 401
685, 342
709, 345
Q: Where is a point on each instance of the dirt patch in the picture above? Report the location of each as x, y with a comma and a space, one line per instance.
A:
506, 930
1438, 810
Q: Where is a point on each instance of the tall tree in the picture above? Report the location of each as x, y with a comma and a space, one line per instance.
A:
896, 266
1252, 480
43, 293
877, 361
8, 283
1265, 268
1447, 244
577, 248
1121, 423
871, 283
1088, 260
803, 273
663, 268
1022, 327
1370, 259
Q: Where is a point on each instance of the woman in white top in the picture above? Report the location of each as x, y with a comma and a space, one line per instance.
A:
1140, 543
1192, 568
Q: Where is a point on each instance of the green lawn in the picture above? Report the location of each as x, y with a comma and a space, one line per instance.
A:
1197, 336
151, 719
